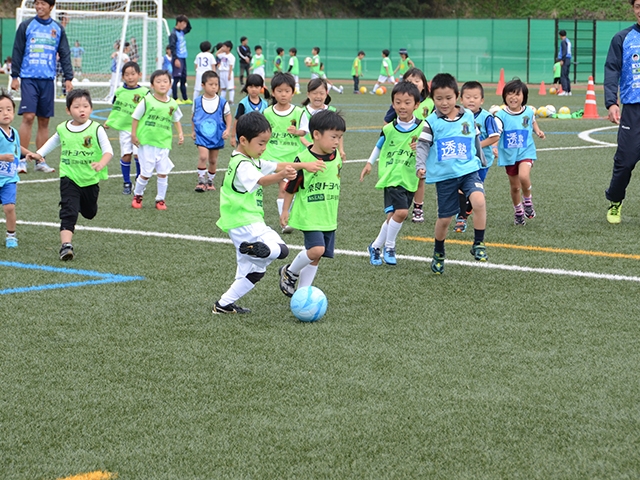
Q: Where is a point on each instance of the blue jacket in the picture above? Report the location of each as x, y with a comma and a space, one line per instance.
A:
622, 60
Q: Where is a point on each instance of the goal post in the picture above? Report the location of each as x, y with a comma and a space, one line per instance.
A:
97, 31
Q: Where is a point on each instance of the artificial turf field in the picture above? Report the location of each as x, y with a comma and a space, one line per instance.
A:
523, 367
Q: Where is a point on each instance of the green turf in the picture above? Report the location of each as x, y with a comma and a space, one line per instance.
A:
478, 373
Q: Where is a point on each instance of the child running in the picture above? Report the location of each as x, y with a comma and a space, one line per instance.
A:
284, 118
294, 67
516, 149
85, 152
315, 211
318, 100
396, 170
211, 122
416, 76
151, 132
253, 102
125, 102
386, 72
472, 95
242, 212
10, 151
447, 153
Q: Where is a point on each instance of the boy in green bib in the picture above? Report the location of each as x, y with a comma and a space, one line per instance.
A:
315, 211
85, 152
125, 101
294, 67
242, 212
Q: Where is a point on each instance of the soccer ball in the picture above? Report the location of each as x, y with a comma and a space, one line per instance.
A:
551, 110
493, 109
384, 89
379, 91
542, 112
552, 91
308, 61
363, 89
86, 80
309, 304
564, 111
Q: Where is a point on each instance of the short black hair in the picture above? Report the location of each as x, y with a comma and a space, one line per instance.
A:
283, 78
416, 72
563, 33
516, 86
242, 39
385, 52
207, 75
53, 2
257, 47
472, 85
205, 46
131, 64
279, 50
181, 18
293, 50
251, 125
78, 93
361, 52
326, 120
408, 88
317, 49
5, 94
157, 74
444, 80
229, 44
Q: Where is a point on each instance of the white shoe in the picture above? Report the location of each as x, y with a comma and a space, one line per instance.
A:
22, 166
43, 167
563, 94
287, 229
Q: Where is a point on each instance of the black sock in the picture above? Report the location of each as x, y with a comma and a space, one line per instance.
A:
439, 247
478, 236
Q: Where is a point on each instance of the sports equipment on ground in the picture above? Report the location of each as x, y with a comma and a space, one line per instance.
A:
564, 111
551, 110
363, 89
97, 26
553, 91
542, 112
379, 91
384, 89
309, 304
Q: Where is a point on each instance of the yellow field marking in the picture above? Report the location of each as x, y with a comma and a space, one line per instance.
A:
97, 475
534, 248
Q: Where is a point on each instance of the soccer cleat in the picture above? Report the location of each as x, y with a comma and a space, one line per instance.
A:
614, 213
479, 252
519, 220
127, 189
287, 229
210, 185
529, 212
437, 264
187, 102
137, 201
231, 308
417, 216
66, 252
390, 256
22, 166
160, 205
43, 167
201, 186
461, 225
11, 242
179, 101
374, 255
287, 281
255, 249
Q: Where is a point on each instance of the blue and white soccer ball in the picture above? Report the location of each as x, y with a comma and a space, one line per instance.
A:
309, 304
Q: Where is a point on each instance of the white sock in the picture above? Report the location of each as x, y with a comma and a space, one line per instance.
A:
393, 229
201, 173
162, 188
382, 236
299, 263
375, 87
307, 274
212, 176
237, 290
141, 184
223, 94
280, 203
232, 94
335, 88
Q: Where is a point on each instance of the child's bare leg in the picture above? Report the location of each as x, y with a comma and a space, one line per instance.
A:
480, 210
524, 175
514, 183
281, 191
10, 216
66, 236
211, 172
442, 226
203, 158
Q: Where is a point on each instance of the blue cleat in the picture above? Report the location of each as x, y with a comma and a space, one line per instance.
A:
390, 256
374, 256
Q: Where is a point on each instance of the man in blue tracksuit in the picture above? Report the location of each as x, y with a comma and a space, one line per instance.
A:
620, 71
564, 55
178, 46
34, 67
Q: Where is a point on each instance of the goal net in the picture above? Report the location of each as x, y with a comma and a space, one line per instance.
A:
98, 30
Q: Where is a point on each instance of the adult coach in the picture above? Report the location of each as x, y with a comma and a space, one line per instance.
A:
244, 54
623, 61
564, 55
178, 47
38, 41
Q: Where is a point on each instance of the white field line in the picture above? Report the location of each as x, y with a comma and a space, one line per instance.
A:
488, 265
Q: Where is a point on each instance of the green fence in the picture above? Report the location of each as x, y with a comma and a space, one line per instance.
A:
469, 49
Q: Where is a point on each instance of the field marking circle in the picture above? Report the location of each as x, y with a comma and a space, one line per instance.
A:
586, 136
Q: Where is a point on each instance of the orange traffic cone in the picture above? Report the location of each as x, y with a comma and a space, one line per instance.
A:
543, 89
590, 106
500, 83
